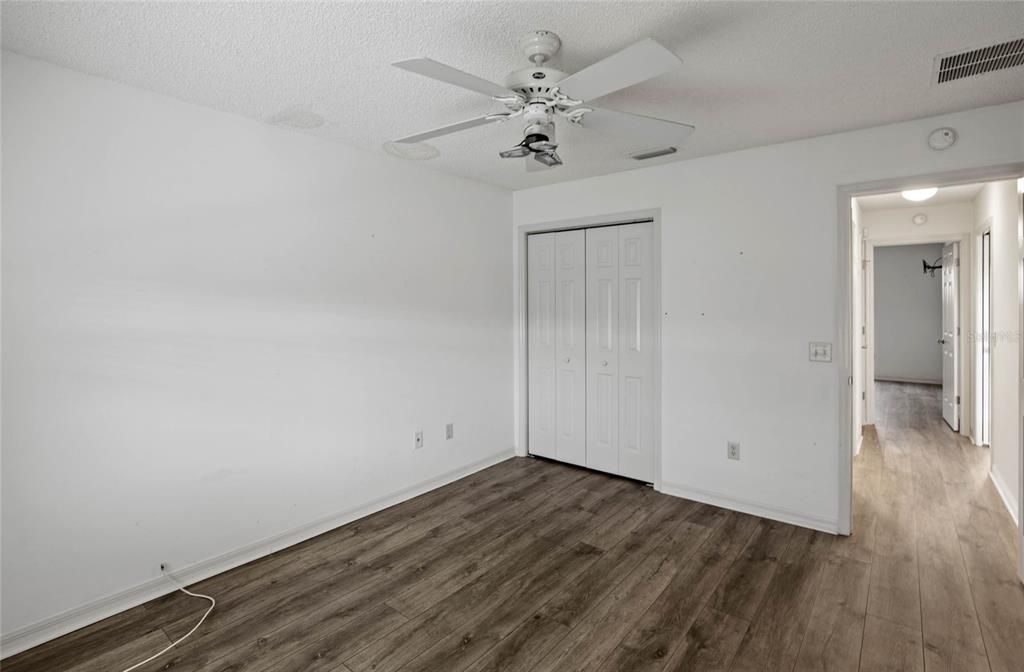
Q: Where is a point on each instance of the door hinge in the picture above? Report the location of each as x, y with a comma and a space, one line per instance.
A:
863, 331
958, 331
864, 396
958, 400
849, 380
958, 262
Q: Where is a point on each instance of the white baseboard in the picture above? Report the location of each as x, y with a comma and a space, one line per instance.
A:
753, 508
92, 612
860, 442
912, 381
1004, 494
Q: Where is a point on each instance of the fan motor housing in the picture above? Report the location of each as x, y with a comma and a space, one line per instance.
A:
535, 82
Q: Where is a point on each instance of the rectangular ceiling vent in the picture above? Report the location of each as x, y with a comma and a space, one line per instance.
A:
963, 64
654, 153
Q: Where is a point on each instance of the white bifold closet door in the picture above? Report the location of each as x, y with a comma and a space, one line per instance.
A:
591, 348
557, 347
620, 350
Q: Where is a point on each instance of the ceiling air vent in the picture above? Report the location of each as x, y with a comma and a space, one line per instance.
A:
963, 64
654, 153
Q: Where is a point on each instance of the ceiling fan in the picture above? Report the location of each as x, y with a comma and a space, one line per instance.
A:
539, 95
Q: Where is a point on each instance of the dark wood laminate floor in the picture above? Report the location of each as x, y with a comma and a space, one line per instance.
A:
533, 565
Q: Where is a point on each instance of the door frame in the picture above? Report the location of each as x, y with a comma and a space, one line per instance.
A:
982, 328
521, 349
844, 306
1020, 387
870, 247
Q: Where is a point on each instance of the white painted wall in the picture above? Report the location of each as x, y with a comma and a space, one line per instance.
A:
997, 204
749, 259
947, 222
216, 331
908, 314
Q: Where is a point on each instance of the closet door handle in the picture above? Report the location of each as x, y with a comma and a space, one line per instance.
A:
566, 360
604, 363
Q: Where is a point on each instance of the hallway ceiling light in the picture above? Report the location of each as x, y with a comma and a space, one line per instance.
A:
920, 194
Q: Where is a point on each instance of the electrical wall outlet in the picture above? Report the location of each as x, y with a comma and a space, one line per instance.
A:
419, 439
449, 431
733, 450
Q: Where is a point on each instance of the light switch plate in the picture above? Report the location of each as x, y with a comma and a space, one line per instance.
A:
819, 352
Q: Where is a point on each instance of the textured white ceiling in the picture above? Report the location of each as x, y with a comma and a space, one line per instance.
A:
960, 193
753, 73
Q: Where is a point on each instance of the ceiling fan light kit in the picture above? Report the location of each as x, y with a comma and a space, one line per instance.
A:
540, 95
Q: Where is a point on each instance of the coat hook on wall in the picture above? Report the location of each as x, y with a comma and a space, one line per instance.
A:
932, 267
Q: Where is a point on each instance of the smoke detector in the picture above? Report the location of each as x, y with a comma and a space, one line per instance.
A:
942, 138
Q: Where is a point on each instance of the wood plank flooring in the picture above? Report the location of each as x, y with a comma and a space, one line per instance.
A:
534, 565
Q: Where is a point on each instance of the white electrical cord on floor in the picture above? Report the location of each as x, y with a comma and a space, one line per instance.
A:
213, 603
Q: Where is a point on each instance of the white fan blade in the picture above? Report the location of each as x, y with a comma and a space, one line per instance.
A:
649, 130
446, 73
450, 128
632, 65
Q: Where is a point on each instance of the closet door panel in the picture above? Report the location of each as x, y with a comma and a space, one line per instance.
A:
636, 351
570, 346
541, 327
602, 348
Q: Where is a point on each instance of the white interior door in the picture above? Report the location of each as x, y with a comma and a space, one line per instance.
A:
570, 347
603, 348
636, 351
620, 350
950, 335
540, 343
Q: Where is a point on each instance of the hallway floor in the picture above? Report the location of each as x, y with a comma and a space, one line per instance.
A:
943, 592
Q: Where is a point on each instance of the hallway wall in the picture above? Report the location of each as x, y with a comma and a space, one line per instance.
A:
996, 206
908, 314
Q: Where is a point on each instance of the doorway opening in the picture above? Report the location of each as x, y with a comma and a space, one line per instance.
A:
937, 459
937, 465
913, 317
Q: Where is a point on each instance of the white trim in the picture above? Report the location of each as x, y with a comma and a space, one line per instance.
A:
1004, 494
753, 508
92, 612
917, 239
520, 357
860, 442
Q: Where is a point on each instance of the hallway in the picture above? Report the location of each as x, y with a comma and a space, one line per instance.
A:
943, 592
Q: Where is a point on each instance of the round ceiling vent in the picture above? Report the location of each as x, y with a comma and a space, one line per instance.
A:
413, 151
297, 117
942, 138
920, 219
